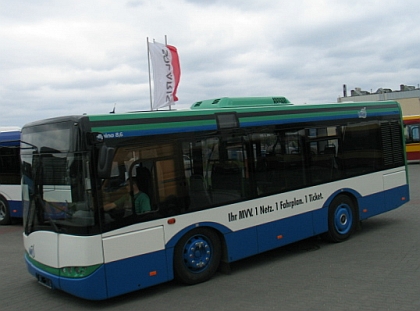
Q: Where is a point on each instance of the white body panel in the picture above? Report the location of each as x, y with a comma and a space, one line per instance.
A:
395, 179
60, 251
79, 251
11, 192
43, 247
133, 244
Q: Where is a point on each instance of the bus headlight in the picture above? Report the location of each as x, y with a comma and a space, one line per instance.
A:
78, 272
74, 272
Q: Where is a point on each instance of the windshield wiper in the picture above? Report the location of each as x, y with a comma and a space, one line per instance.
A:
32, 146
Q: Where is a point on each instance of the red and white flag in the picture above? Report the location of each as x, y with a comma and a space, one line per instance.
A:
166, 74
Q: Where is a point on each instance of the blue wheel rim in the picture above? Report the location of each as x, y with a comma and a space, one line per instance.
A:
343, 219
197, 253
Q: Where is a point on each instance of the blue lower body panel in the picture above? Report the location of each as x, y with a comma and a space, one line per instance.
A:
248, 242
383, 202
136, 272
92, 287
15, 208
285, 231
109, 280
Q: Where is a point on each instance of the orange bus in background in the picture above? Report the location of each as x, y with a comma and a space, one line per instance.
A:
412, 137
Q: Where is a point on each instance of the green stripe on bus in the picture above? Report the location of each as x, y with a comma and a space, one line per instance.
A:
69, 272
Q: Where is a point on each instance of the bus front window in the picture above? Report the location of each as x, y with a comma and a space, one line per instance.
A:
56, 192
56, 187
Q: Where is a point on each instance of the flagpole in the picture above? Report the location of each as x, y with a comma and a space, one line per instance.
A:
166, 44
150, 79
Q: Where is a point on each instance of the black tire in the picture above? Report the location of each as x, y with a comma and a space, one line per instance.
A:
197, 256
341, 219
4, 212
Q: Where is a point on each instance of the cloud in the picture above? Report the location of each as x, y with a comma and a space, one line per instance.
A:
77, 57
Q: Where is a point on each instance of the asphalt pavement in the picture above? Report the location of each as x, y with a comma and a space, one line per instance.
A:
378, 268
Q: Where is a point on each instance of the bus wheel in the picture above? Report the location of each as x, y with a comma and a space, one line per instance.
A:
341, 219
4, 212
197, 256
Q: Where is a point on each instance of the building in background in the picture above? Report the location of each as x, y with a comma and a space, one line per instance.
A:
409, 99
407, 96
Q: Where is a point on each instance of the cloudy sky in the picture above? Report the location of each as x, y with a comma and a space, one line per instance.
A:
73, 57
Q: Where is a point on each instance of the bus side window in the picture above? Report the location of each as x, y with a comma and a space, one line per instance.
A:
198, 193
323, 163
196, 160
278, 155
9, 166
216, 170
360, 149
414, 133
230, 170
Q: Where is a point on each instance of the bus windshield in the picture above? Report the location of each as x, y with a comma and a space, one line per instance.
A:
55, 183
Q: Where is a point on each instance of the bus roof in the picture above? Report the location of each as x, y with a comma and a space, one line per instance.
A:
226, 111
255, 111
9, 129
237, 102
9, 138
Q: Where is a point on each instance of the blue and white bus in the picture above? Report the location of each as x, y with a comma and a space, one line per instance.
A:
227, 179
10, 190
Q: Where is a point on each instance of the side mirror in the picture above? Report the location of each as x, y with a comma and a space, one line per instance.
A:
94, 138
105, 157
